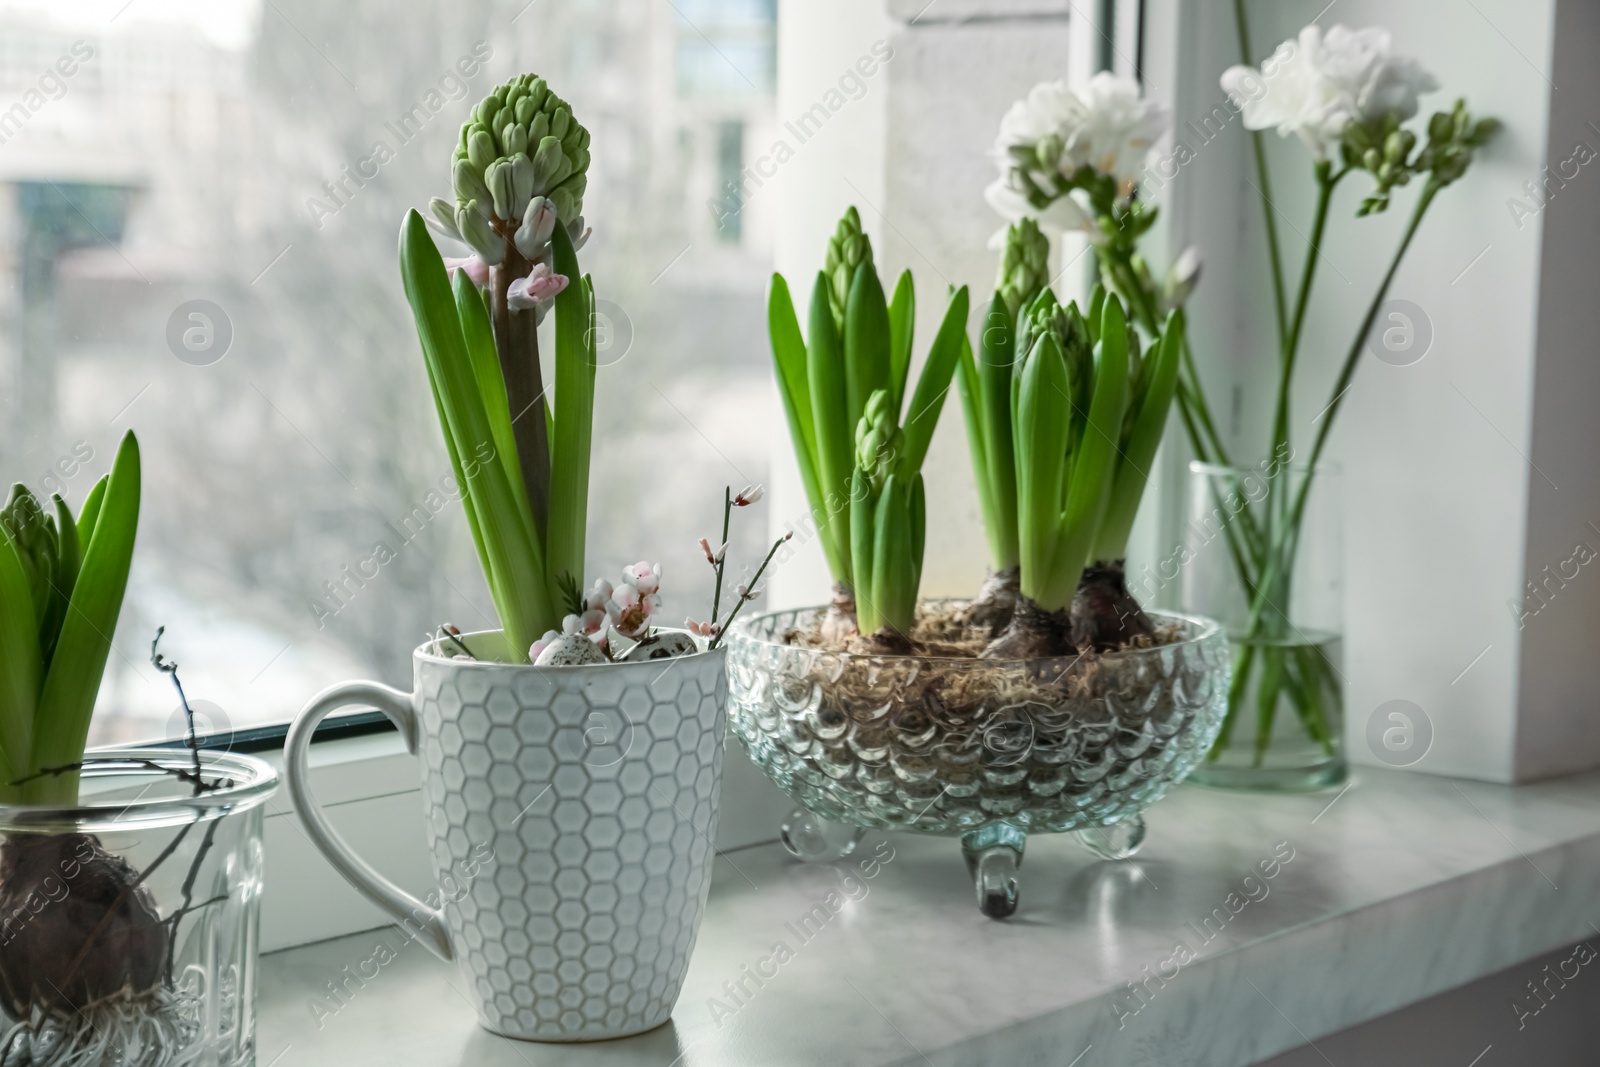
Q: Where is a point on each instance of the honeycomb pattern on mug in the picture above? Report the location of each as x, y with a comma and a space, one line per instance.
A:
571, 819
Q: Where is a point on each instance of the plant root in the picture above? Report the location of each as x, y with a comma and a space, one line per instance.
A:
152, 1029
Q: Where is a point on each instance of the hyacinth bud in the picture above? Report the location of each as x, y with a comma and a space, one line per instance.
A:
538, 224
514, 138
444, 213
473, 224
498, 177
1024, 265
878, 439
848, 248
1044, 315
521, 143
480, 148
1181, 279
34, 535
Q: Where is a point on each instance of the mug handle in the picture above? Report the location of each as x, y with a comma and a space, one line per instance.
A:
413, 915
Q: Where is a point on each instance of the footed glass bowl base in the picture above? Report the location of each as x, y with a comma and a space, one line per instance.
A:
815, 841
993, 852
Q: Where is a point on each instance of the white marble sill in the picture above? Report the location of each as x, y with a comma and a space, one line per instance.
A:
1399, 888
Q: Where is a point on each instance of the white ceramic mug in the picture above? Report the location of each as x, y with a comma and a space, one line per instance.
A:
570, 815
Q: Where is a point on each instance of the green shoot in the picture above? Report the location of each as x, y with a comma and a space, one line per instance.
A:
859, 439
61, 587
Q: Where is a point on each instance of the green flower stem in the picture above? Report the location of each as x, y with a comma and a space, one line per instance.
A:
1327, 180
1246, 56
1285, 545
516, 342
1243, 657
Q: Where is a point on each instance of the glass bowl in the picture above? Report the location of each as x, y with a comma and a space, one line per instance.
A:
987, 750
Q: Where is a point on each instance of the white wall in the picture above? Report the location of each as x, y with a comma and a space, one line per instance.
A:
840, 165
1557, 728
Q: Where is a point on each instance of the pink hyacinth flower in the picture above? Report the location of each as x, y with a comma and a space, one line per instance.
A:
541, 286
477, 270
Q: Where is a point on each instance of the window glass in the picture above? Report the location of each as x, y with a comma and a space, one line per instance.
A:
199, 203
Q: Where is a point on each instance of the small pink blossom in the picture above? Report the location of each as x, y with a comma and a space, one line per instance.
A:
643, 577
542, 644
477, 270
701, 629
716, 557
629, 612
750, 494
591, 624
595, 599
534, 292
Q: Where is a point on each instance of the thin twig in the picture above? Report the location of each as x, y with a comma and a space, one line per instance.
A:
750, 591
721, 564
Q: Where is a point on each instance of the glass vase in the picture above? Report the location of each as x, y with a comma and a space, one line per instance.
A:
1261, 551
128, 924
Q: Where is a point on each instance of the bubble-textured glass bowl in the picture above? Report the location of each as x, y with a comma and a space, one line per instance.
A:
990, 750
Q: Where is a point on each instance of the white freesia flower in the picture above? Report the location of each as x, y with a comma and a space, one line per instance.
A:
1117, 130
1049, 108
1315, 86
1063, 214
1107, 127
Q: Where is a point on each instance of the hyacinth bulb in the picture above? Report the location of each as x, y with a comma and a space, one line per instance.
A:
520, 167
848, 248
103, 938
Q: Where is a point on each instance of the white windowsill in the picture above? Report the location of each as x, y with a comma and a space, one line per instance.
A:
1405, 886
